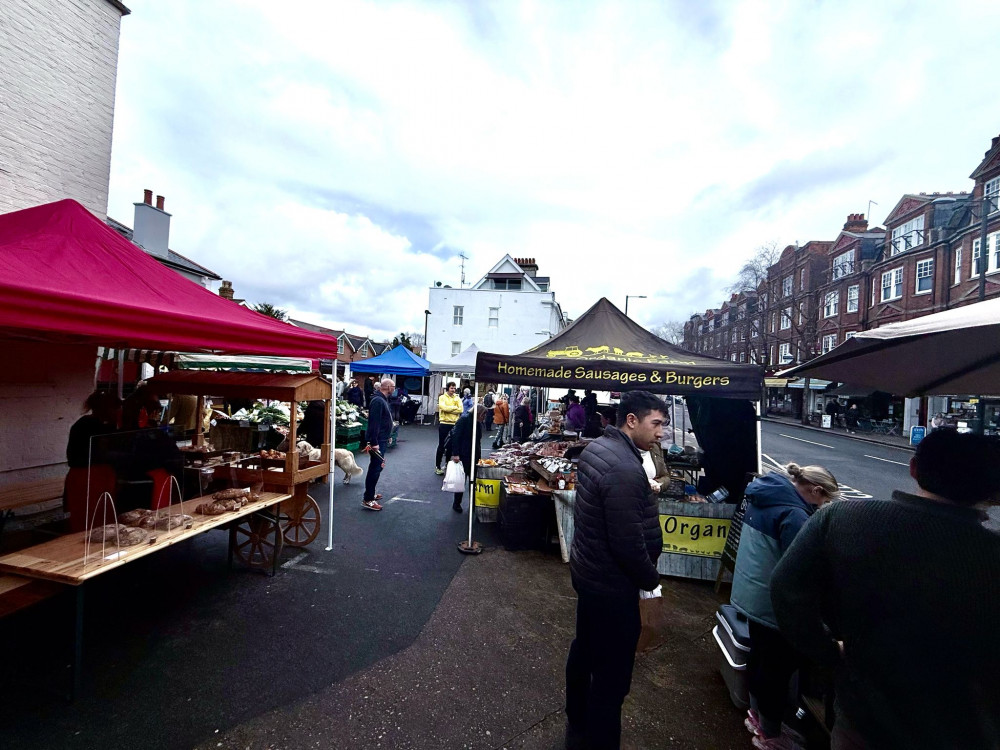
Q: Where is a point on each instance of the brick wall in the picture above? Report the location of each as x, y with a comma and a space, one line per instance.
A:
58, 64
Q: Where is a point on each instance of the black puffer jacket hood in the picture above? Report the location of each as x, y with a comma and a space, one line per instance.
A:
617, 537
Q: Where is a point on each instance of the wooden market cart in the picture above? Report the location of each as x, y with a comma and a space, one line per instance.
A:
299, 518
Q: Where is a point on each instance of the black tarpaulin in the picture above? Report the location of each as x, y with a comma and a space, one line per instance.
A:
727, 433
605, 350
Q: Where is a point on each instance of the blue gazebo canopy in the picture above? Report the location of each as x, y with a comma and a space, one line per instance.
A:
397, 361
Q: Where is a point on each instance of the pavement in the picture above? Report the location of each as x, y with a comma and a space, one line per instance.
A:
392, 639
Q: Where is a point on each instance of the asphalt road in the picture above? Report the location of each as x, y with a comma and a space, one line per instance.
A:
862, 469
179, 647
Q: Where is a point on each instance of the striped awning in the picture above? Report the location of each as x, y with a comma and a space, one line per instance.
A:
775, 382
149, 356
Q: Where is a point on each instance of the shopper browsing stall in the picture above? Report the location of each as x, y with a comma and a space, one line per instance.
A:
899, 599
501, 416
449, 410
616, 544
778, 506
379, 430
462, 448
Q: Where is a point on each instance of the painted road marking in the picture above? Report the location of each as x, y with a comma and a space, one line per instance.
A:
849, 493
888, 461
402, 499
811, 442
776, 464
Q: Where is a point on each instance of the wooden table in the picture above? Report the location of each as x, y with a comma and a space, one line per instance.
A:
67, 560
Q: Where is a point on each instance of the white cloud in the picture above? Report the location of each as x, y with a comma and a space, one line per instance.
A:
623, 145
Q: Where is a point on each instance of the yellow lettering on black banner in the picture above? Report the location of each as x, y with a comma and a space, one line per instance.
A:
691, 535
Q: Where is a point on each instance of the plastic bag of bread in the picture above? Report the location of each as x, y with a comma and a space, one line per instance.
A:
164, 522
134, 517
119, 535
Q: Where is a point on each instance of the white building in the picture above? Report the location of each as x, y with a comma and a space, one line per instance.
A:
58, 65
508, 310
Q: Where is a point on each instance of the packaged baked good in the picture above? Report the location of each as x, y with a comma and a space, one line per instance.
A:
119, 535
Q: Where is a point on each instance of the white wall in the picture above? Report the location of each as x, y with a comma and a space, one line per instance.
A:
522, 316
58, 64
42, 391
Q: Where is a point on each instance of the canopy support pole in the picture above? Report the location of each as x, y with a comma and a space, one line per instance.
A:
760, 466
331, 479
467, 546
121, 374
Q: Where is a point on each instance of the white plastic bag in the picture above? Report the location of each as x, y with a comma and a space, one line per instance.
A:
454, 478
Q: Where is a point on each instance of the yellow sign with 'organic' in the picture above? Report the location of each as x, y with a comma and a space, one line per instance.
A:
487, 493
690, 535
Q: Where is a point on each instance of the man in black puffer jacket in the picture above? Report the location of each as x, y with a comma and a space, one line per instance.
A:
616, 543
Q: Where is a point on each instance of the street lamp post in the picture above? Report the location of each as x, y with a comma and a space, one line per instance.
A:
632, 296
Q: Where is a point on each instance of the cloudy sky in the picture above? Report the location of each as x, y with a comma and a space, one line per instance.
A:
334, 158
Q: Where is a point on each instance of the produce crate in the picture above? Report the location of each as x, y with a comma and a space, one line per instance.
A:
352, 446
348, 431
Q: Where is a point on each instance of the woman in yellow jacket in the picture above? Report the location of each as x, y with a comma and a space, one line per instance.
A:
449, 410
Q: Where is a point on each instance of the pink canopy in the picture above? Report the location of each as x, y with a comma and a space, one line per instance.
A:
67, 277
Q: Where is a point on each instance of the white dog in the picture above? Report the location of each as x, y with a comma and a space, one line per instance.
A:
343, 458
345, 462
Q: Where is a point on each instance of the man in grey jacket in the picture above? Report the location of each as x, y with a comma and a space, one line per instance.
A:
616, 543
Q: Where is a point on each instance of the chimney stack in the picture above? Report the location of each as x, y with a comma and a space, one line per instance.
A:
151, 227
226, 290
856, 223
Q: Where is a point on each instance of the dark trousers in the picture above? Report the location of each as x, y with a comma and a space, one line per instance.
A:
599, 667
489, 420
771, 665
374, 471
443, 430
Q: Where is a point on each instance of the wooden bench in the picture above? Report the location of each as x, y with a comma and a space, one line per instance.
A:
23, 495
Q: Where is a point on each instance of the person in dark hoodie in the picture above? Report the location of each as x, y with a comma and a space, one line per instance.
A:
616, 544
461, 446
900, 600
778, 506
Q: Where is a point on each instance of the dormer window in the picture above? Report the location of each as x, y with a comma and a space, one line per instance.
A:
991, 190
908, 235
843, 265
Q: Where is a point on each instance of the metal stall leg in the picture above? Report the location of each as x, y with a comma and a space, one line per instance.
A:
277, 540
76, 667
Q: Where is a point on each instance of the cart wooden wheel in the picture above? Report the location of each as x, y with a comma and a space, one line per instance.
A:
255, 541
300, 521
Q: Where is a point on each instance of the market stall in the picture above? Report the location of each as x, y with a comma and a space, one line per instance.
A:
399, 362
605, 350
288, 471
68, 285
